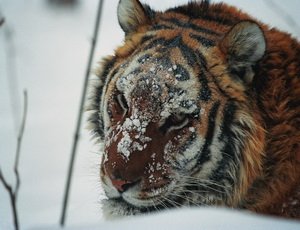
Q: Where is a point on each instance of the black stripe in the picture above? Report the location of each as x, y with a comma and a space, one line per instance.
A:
189, 25
228, 118
171, 43
146, 38
205, 92
174, 42
114, 72
204, 41
192, 56
188, 54
230, 158
161, 27
221, 19
107, 67
231, 155
153, 43
205, 154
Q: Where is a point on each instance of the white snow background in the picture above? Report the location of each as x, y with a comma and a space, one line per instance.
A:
51, 50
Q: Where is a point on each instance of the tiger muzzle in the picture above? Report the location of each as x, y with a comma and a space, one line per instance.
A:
132, 160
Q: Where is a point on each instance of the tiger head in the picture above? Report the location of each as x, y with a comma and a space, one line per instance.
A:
175, 110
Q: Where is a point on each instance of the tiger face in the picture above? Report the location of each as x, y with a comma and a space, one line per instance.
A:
172, 106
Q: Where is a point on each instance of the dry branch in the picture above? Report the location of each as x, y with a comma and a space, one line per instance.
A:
79, 119
13, 192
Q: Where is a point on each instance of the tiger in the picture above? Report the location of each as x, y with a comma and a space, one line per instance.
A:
198, 107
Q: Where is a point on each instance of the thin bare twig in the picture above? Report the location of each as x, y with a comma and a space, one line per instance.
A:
12, 196
78, 126
20, 138
13, 193
4, 182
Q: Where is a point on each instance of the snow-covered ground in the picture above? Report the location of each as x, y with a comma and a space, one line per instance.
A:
51, 49
192, 219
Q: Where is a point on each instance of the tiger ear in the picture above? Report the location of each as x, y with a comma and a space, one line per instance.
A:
132, 14
244, 45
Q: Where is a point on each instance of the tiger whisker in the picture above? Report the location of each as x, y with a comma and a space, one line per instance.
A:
172, 202
187, 198
191, 184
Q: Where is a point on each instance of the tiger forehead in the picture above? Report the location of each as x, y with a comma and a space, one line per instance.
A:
159, 80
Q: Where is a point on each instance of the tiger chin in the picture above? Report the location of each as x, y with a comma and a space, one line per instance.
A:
198, 107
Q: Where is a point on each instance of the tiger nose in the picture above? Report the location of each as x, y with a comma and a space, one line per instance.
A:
121, 185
